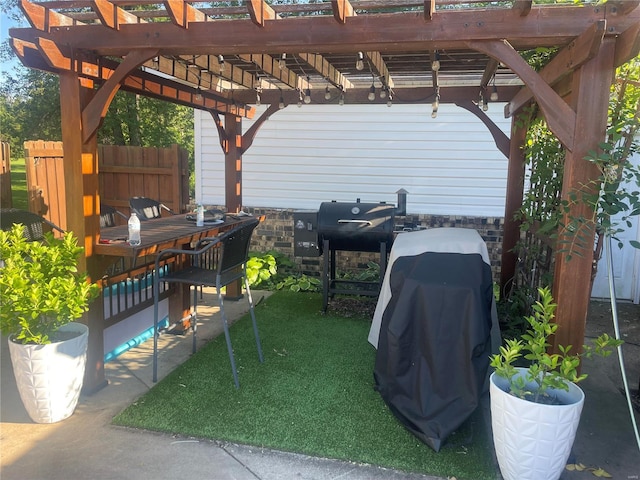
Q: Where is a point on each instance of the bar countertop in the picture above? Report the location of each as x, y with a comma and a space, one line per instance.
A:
160, 234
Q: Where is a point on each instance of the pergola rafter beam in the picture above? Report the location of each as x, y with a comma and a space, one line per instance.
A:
341, 10
324, 68
44, 18
270, 66
489, 72
183, 13
112, 16
259, 10
429, 9
379, 67
523, 6
138, 82
193, 70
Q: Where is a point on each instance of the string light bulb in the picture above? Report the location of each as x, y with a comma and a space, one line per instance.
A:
258, 102
281, 104
494, 95
307, 96
327, 93
299, 98
198, 97
341, 100
372, 93
435, 65
383, 92
360, 61
220, 60
389, 100
282, 63
436, 104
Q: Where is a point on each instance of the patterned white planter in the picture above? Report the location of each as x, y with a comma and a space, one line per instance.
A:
49, 377
533, 441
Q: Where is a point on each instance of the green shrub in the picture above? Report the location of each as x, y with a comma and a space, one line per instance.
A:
40, 286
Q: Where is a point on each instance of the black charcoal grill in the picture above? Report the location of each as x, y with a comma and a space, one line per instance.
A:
354, 227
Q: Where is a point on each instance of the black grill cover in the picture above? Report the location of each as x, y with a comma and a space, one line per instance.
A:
434, 344
358, 227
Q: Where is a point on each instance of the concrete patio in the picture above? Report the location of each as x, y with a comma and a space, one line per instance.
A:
87, 446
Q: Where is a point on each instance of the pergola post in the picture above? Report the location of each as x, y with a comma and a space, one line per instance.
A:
233, 163
513, 202
82, 200
233, 179
572, 278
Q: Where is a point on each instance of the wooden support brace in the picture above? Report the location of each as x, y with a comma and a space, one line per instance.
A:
222, 133
621, 7
560, 117
96, 110
627, 45
250, 134
582, 49
502, 141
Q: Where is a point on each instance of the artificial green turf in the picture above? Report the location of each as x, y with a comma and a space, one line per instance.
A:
313, 394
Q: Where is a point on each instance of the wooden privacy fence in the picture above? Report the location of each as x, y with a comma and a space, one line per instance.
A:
158, 173
45, 180
124, 172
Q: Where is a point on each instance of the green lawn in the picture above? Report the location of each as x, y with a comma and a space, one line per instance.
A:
19, 183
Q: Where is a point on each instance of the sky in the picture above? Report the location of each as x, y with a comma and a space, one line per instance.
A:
5, 24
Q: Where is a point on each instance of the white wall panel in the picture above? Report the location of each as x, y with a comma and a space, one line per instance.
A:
304, 156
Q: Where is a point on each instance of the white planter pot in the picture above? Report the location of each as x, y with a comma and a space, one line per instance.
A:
533, 441
49, 377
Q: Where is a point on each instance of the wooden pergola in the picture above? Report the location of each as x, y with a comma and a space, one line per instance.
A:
227, 59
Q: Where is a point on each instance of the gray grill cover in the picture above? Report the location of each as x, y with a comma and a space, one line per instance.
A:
434, 342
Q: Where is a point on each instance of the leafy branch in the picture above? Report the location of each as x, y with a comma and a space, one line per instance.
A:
546, 371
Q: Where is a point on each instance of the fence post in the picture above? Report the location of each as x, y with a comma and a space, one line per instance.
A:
6, 199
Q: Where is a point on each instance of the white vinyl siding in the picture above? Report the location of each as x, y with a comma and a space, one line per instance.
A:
304, 156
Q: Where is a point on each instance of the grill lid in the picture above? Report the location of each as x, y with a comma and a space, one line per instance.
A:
356, 226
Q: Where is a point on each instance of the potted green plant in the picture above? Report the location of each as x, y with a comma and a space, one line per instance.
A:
535, 409
41, 294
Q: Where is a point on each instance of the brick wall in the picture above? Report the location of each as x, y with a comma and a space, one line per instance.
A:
276, 233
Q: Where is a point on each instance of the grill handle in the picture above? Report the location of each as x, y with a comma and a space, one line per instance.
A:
365, 222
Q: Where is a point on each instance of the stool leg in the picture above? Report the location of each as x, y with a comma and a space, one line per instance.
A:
194, 317
253, 319
156, 293
228, 338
